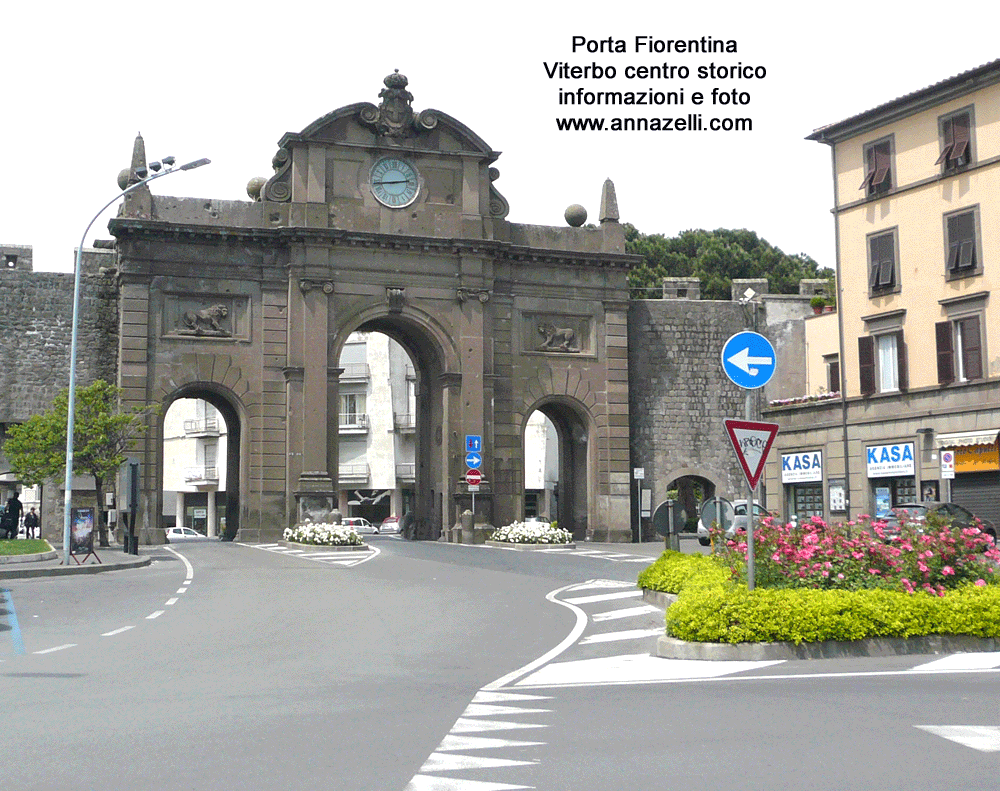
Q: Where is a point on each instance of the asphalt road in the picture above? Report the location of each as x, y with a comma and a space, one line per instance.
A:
431, 667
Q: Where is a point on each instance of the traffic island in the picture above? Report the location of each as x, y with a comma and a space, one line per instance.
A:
528, 547
362, 547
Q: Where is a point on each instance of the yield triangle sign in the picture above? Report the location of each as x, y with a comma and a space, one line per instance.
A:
752, 442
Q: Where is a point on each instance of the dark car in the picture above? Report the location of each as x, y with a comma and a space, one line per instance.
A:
917, 513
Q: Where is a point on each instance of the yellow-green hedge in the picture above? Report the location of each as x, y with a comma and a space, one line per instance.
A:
711, 608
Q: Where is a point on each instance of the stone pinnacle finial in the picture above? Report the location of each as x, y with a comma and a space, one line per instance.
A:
609, 203
138, 158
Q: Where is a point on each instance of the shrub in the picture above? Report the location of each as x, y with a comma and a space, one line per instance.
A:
531, 533
323, 534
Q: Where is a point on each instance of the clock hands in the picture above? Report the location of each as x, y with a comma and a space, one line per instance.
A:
394, 181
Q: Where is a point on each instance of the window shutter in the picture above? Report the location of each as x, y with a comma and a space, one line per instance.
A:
833, 377
960, 133
972, 349
948, 128
902, 373
866, 364
882, 162
869, 169
945, 354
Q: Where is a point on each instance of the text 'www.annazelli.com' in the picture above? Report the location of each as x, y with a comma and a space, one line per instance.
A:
692, 122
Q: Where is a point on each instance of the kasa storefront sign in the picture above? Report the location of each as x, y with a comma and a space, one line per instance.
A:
888, 461
802, 467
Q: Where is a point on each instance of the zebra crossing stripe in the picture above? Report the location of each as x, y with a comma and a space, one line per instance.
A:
450, 743
975, 661
488, 710
631, 634
466, 725
985, 738
614, 615
591, 584
451, 762
604, 597
503, 697
431, 783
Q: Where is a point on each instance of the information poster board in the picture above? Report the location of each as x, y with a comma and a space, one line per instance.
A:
81, 537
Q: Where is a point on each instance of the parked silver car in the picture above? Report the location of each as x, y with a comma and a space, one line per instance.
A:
739, 521
917, 513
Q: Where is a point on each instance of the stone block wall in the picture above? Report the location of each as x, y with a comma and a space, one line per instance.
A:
36, 322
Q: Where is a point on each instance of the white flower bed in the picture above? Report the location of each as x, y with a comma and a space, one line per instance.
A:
531, 533
323, 534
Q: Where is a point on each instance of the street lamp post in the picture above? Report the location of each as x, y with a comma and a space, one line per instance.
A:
159, 172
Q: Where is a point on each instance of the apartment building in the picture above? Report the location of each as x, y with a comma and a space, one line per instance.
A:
914, 348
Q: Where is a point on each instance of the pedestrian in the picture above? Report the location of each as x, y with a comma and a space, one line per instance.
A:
13, 512
31, 523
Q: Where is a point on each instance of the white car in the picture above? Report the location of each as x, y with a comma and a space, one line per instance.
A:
739, 521
360, 524
184, 534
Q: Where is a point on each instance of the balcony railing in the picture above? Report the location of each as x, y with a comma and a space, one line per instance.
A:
201, 474
353, 474
208, 426
355, 371
353, 422
404, 423
407, 473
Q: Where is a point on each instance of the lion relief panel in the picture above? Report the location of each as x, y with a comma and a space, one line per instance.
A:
216, 317
551, 333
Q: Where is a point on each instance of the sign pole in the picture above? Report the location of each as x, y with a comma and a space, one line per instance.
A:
750, 513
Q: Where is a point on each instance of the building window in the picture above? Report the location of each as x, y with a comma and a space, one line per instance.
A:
833, 374
959, 350
878, 167
961, 244
882, 276
882, 363
956, 141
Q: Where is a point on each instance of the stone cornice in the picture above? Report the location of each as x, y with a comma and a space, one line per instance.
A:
159, 230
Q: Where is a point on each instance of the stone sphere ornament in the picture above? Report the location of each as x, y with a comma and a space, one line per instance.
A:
576, 215
254, 186
123, 179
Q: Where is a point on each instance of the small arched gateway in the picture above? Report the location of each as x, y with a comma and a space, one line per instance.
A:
381, 218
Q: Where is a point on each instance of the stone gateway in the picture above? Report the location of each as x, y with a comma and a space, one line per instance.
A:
380, 218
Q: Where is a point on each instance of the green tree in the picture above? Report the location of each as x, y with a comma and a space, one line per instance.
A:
716, 258
36, 448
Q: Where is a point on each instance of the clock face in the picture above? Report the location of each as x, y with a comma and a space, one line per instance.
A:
394, 182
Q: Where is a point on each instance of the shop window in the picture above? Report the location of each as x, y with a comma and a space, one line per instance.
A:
883, 276
833, 374
808, 500
962, 248
878, 167
956, 141
959, 350
882, 363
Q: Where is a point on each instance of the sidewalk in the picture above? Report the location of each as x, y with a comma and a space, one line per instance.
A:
49, 564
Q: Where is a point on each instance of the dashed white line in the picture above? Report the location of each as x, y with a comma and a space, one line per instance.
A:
628, 612
57, 648
117, 631
171, 601
181, 590
610, 637
156, 614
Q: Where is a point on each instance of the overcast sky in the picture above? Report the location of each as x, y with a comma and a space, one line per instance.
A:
226, 80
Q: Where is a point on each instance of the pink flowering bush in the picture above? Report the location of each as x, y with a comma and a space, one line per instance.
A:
931, 556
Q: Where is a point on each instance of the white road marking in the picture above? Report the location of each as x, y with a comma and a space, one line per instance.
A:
156, 614
604, 597
504, 697
117, 631
181, 590
630, 634
57, 648
170, 601
488, 710
450, 762
465, 725
187, 565
975, 661
452, 743
629, 612
633, 667
648, 561
591, 584
985, 738
429, 783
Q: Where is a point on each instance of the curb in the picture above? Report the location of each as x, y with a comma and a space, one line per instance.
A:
672, 648
32, 558
65, 571
362, 547
529, 547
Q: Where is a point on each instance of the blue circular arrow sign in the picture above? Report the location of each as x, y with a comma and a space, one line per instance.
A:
749, 360
473, 461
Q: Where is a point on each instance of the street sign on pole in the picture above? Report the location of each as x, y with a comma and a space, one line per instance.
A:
473, 443
752, 442
473, 477
748, 359
473, 460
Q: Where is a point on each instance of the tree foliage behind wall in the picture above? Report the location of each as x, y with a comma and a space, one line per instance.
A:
716, 258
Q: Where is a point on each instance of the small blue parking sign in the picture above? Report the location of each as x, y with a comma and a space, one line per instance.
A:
749, 360
473, 443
